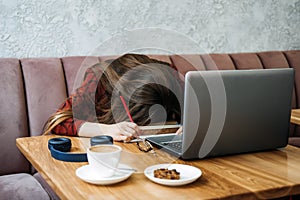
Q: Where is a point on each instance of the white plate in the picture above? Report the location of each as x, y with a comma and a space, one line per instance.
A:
87, 174
188, 174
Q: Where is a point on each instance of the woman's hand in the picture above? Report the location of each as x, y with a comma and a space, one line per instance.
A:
123, 131
179, 131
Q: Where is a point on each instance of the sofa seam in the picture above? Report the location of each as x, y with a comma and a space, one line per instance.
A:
260, 60
25, 97
30, 167
64, 74
232, 60
295, 85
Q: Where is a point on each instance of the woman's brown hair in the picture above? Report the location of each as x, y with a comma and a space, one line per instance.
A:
151, 88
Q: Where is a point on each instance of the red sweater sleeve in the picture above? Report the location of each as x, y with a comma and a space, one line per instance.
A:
82, 103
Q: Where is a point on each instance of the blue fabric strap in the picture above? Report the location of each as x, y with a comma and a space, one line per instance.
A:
60, 147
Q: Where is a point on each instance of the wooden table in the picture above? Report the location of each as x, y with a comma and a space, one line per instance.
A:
295, 116
249, 176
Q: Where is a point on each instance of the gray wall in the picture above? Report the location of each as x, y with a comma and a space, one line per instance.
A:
43, 28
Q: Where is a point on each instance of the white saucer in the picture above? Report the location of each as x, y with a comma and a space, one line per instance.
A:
86, 174
188, 174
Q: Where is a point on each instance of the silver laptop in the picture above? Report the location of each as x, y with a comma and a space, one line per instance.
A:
232, 111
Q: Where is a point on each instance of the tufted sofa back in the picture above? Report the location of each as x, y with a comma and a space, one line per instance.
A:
33, 88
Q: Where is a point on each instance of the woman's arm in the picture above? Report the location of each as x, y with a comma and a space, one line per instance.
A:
123, 131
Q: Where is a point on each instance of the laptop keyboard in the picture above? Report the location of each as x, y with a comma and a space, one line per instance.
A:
176, 145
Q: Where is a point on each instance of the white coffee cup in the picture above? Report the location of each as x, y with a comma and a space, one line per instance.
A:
104, 159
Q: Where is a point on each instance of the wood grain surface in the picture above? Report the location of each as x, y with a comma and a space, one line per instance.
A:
295, 116
261, 175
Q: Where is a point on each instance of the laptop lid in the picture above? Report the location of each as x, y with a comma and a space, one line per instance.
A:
229, 112
236, 111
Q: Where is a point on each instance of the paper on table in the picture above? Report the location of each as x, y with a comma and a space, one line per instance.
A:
159, 127
157, 130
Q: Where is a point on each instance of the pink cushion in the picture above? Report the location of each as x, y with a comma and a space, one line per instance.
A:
75, 68
246, 61
13, 117
45, 89
21, 186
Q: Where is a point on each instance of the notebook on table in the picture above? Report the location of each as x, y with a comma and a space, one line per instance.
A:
232, 111
159, 129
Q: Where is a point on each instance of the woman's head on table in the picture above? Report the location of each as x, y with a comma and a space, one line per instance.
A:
149, 89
